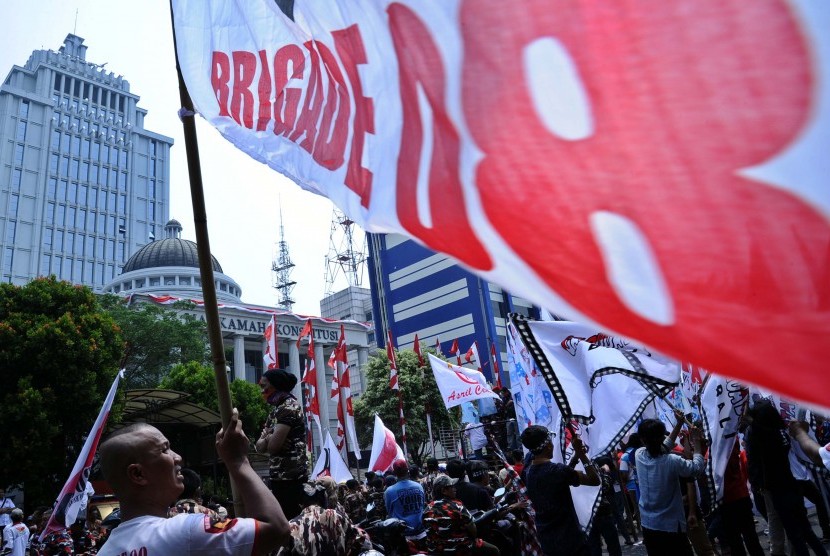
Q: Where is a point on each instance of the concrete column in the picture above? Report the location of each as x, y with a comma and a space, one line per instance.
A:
294, 367
362, 362
239, 357
323, 387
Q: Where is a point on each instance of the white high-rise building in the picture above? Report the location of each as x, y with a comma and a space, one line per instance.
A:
82, 183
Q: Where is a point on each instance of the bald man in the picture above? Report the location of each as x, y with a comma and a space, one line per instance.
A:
145, 474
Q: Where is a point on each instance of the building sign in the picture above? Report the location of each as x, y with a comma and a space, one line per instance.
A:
247, 325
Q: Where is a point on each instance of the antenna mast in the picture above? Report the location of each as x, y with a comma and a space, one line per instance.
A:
282, 269
347, 251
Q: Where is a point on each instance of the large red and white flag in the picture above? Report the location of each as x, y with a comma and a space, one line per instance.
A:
74, 492
309, 378
457, 384
270, 359
385, 449
680, 204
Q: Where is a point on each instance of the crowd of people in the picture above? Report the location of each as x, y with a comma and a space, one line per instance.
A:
651, 487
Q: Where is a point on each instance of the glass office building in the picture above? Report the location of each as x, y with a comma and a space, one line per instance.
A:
82, 183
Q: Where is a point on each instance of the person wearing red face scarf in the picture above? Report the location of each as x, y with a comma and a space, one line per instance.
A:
283, 439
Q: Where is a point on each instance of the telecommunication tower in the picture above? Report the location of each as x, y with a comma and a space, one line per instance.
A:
282, 269
347, 251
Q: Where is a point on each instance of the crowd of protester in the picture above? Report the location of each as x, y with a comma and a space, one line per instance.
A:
652, 487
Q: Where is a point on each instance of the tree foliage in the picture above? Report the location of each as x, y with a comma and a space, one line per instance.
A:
198, 380
158, 338
59, 353
419, 392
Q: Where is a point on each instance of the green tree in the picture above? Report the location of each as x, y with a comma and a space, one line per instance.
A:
59, 353
158, 338
419, 392
198, 380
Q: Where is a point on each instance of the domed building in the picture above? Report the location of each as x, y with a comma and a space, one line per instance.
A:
171, 266
167, 270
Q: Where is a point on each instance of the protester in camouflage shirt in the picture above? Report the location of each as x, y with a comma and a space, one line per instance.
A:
450, 526
355, 501
283, 438
324, 532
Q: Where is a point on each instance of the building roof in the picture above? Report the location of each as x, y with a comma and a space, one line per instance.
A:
167, 252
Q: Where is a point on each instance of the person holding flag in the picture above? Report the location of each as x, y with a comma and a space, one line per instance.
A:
283, 438
145, 474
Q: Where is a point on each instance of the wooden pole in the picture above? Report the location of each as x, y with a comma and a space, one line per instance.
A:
197, 196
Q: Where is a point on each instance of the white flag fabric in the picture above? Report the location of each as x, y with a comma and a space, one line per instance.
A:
596, 379
576, 191
74, 492
723, 402
330, 463
385, 450
457, 384
532, 397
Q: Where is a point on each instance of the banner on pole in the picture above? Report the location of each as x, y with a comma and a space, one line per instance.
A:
676, 203
457, 384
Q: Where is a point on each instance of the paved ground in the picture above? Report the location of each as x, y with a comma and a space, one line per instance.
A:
640, 550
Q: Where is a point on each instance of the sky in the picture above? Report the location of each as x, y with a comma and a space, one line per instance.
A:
243, 197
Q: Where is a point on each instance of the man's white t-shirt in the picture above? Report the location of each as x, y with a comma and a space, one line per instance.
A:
179, 536
5, 519
16, 538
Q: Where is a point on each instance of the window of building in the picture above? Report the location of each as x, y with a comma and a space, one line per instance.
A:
17, 176
18, 154
116, 289
105, 150
84, 171
223, 286
72, 192
56, 139
99, 247
152, 191
75, 149
62, 188
95, 147
156, 281
47, 238
104, 175
93, 174
122, 159
14, 202
70, 217
11, 230
99, 273
122, 204
58, 240
102, 220
73, 168
151, 211
44, 264
90, 244
111, 248
139, 282
21, 131
60, 214
85, 148
184, 280
114, 156
197, 282
82, 193
51, 188
88, 273
121, 251
64, 166
50, 213
80, 220
113, 179
169, 280
111, 201
92, 199
77, 270
152, 149
65, 142
110, 271
122, 181
8, 259
70, 242
23, 111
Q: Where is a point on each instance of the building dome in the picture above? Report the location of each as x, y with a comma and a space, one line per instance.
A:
171, 251
167, 252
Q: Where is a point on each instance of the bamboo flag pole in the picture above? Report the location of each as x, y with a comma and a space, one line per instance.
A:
197, 196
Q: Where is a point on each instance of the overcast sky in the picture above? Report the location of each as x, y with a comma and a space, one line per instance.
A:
242, 195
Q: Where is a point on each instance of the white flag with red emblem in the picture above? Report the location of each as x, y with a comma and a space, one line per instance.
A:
385, 449
331, 463
270, 359
690, 200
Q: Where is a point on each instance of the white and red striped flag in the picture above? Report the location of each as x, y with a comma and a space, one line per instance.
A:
496, 367
384, 448
438, 346
393, 363
340, 439
417, 349
345, 412
74, 492
310, 378
454, 350
270, 358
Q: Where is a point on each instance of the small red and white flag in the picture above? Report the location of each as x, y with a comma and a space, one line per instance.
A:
385, 449
438, 346
345, 410
496, 366
454, 350
270, 358
472, 356
417, 349
310, 379
393, 364
307, 330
